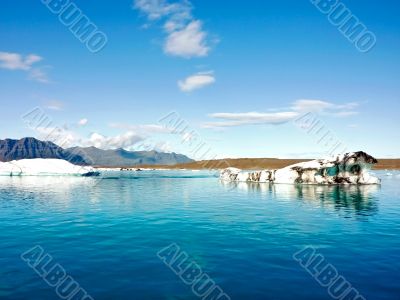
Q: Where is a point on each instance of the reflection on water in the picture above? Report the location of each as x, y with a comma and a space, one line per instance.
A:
361, 199
47, 191
358, 199
66, 191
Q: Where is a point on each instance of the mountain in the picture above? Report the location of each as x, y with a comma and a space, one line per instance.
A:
33, 148
124, 158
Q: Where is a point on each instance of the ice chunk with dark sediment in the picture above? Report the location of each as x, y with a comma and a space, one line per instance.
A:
349, 168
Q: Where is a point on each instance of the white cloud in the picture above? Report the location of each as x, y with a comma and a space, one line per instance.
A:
185, 36
297, 109
187, 42
16, 61
83, 122
67, 138
196, 81
126, 140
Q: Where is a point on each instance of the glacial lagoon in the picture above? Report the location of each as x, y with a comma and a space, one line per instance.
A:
106, 233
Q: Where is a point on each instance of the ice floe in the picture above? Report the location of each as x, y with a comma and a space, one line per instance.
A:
349, 168
41, 166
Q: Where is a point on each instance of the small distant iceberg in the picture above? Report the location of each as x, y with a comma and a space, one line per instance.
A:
349, 168
44, 167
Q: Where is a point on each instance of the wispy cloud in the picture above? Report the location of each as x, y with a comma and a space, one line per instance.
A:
157, 9
38, 74
250, 118
16, 61
55, 105
83, 122
196, 81
345, 113
311, 105
185, 36
307, 105
142, 129
297, 108
353, 125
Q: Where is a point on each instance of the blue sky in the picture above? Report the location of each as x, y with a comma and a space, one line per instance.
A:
238, 73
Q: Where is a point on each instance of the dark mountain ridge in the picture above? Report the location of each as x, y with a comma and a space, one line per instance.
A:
32, 148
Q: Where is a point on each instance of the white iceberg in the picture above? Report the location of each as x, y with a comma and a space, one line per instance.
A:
349, 168
44, 167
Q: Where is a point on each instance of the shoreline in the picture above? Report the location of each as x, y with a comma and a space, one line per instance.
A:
246, 164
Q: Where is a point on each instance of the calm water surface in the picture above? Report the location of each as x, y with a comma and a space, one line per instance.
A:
107, 235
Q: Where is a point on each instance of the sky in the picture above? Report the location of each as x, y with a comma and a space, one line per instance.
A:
259, 78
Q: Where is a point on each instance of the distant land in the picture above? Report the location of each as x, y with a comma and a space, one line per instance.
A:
33, 148
262, 163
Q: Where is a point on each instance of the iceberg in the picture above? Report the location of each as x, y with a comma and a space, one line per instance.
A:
44, 167
349, 168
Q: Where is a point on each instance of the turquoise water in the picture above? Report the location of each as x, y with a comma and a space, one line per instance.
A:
107, 235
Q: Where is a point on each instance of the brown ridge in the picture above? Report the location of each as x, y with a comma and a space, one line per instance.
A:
257, 164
